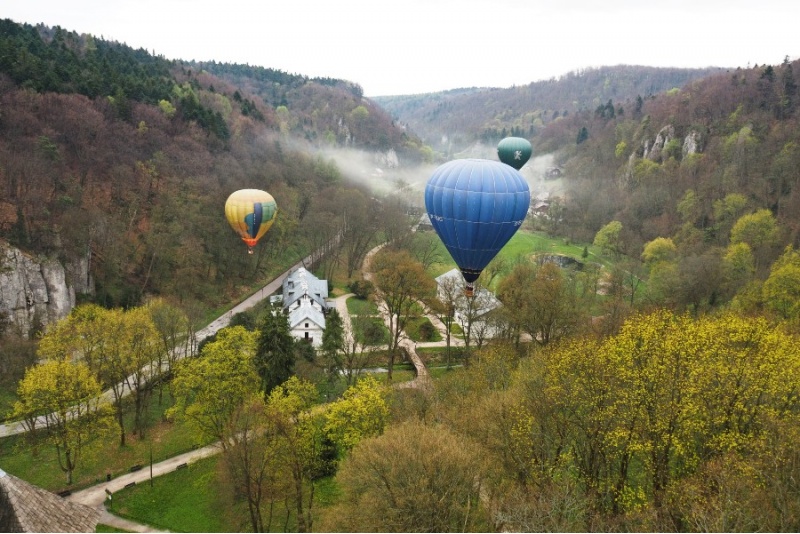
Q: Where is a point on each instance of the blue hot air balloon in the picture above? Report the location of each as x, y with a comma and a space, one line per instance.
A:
476, 206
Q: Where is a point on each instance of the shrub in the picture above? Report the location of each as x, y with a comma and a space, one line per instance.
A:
361, 288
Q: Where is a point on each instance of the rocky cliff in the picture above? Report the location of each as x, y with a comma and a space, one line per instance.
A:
36, 292
653, 149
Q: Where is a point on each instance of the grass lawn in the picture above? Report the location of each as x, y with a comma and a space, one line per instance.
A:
7, 399
185, 500
441, 371
399, 374
357, 306
415, 329
376, 331
526, 243
39, 464
108, 528
188, 500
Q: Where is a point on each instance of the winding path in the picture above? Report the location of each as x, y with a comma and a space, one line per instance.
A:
96, 496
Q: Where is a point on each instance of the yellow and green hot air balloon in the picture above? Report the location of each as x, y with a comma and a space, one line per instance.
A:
250, 212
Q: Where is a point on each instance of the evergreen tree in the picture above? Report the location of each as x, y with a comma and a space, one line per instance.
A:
333, 342
583, 135
275, 351
789, 89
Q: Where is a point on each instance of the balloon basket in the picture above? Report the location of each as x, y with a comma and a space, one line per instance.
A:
469, 290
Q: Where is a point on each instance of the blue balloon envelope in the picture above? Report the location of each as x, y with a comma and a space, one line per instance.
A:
476, 206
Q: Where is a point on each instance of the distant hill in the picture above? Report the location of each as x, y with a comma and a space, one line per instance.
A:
450, 120
319, 109
126, 157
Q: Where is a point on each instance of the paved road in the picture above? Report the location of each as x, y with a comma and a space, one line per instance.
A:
10, 429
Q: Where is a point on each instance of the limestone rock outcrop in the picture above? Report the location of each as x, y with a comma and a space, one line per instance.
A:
36, 292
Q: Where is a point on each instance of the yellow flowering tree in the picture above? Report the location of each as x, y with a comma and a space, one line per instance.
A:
641, 411
211, 389
118, 346
63, 398
361, 412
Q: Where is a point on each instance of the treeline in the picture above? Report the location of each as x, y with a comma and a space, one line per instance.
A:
463, 116
273, 84
58, 61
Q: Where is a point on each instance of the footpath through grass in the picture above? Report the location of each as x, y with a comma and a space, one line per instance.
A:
192, 500
38, 463
185, 500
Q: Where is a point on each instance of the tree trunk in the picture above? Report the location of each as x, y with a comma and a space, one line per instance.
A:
121, 423
298, 489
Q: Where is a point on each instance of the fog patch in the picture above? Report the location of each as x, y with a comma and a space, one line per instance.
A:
382, 177
379, 174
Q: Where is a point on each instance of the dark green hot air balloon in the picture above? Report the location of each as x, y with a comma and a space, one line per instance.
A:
514, 151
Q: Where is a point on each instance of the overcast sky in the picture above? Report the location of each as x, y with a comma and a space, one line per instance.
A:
417, 46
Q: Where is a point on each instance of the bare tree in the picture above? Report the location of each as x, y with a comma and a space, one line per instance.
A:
357, 348
444, 306
469, 311
543, 299
360, 217
402, 282
425, 247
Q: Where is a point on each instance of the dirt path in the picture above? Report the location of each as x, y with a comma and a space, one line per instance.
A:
423, 378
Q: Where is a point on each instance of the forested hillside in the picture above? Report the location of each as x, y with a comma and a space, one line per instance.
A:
711, 168
127, 157
451, 120
649, 385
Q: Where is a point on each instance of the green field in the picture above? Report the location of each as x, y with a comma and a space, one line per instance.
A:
357, 306
525, 244
181, 501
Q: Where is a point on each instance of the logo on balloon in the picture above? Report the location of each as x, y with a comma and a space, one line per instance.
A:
476, 206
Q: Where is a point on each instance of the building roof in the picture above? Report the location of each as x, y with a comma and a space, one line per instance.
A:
27, 508
483, 296
306, 312
301, 282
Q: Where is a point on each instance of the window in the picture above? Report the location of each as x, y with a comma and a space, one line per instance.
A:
306, 327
